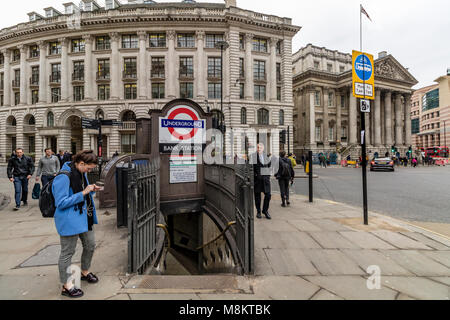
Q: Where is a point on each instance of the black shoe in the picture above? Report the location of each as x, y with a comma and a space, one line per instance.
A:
268, 216
283, 205
25, 203
17, 208
258, 215
72, 293
288, 203
90, 278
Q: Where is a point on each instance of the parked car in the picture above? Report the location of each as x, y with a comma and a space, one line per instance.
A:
382, 164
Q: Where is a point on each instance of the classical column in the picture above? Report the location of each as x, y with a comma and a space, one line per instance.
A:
398, 120
325, 101
88, 69
65, 77
171, 77
352, 127
312, 120
42, 72
7, 78
408, 119
273, 69
248, 67
377, 113
23, 74
199, 65
115, 66
142, 81
339, 106
388, 118
226, 70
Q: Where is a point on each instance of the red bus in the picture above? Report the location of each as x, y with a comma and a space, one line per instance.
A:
437, 152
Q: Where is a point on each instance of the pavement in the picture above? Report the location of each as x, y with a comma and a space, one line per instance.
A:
318, 251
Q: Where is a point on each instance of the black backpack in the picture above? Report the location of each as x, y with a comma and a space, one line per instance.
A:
46, 199
285, 169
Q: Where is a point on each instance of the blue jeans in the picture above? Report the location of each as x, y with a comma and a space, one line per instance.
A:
46, 179
21, 189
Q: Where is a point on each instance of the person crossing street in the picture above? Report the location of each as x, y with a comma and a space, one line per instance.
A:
20, 170
48, 167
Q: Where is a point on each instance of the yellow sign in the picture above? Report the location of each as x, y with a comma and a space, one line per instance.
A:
363, 75
307, 167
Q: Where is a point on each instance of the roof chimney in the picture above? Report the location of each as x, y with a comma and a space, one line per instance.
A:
230, 3
382, 54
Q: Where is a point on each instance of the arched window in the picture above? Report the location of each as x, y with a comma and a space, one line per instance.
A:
217, 119
281, 118
13, 122
129, 116
99, 115
263, 117
243, 116
50, 119
32, 121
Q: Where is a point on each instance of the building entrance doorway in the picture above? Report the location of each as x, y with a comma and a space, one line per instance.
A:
76, 134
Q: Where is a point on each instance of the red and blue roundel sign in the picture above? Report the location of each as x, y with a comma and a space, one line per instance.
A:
182, 125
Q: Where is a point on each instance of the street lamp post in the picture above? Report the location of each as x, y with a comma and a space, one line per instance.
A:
222, 45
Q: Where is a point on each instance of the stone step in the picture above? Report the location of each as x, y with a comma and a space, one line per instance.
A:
204, 284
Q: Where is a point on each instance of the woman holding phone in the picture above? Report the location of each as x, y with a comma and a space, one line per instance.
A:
75, 216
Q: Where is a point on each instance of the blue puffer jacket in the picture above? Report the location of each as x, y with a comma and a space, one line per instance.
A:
68, 220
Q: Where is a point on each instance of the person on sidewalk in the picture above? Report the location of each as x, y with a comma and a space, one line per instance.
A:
61, 158
285, 175
262, 173
48, 167
75, 216
293, 159
19, 171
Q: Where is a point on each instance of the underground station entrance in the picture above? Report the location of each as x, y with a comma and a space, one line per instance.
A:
184, 217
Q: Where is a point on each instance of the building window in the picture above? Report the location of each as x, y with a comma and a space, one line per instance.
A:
330, 134
185, 40
16, 55
214, 67
130, 67
17, 77
56, 94
187, 67
242, 90
341, 69
2, 101
131, 91
78, 70
50, 119
103, 92
241, 68
103, 43
157, 40
35, 75
78, 93
186, 90
260, 93
55, 48
259, 45
318, 133
279, 72
243, 116
2, 81
344, 132
330, 99
2, 58
130, 41
281, 116
158, 91
16, 98
56, 73
278, 47
34, 51
103, 69
263, 117
241, 42
31, 144
78, 45
212, 39
317, 98
34, 96
214, 90
342, 102
128, 143
158, 70
329, 67
259, 70
316, 65
279, 93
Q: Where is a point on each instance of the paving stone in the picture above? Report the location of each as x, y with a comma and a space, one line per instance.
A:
119, 297
30, 287
366, 258
237, 297
325, 295
284, 288
402, 296
400, 241
349, 213
417, 263
298, 240
287, 262
304, 225
332, 240
176, 297
330, 225
418, 288
262, 264
443, 280
333, 262
50, 256
442, 257
366, 240
279, 226
326, 215
351, 288
425, 240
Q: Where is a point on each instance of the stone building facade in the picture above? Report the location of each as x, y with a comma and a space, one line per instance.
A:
326, 115
119, 61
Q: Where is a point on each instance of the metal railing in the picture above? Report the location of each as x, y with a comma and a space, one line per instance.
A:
103, 75
11, 129
16, 83
55, 77
128, 126
28, 128
78, 76
129, 74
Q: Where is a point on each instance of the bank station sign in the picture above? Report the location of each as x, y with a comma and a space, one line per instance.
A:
182, 130
363, 76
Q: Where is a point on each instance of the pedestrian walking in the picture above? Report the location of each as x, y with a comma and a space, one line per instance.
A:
285, 176
61, 158
20, 170
48, 167
262, 173
75, 216
293, 159
414, 162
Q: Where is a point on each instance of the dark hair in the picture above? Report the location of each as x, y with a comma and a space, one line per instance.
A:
18, 149
47, 149
283, 154
87, 156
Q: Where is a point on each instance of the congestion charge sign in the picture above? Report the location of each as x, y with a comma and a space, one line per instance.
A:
363, 76
182, 130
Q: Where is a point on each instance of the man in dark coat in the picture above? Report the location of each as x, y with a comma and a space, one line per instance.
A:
285, 175
20, 169
262, 172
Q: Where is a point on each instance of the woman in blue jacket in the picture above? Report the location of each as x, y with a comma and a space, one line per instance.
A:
75, 216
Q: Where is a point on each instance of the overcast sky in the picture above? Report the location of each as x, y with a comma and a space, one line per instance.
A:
415, 32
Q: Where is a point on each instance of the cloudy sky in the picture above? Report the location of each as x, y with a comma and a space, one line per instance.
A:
415, 32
